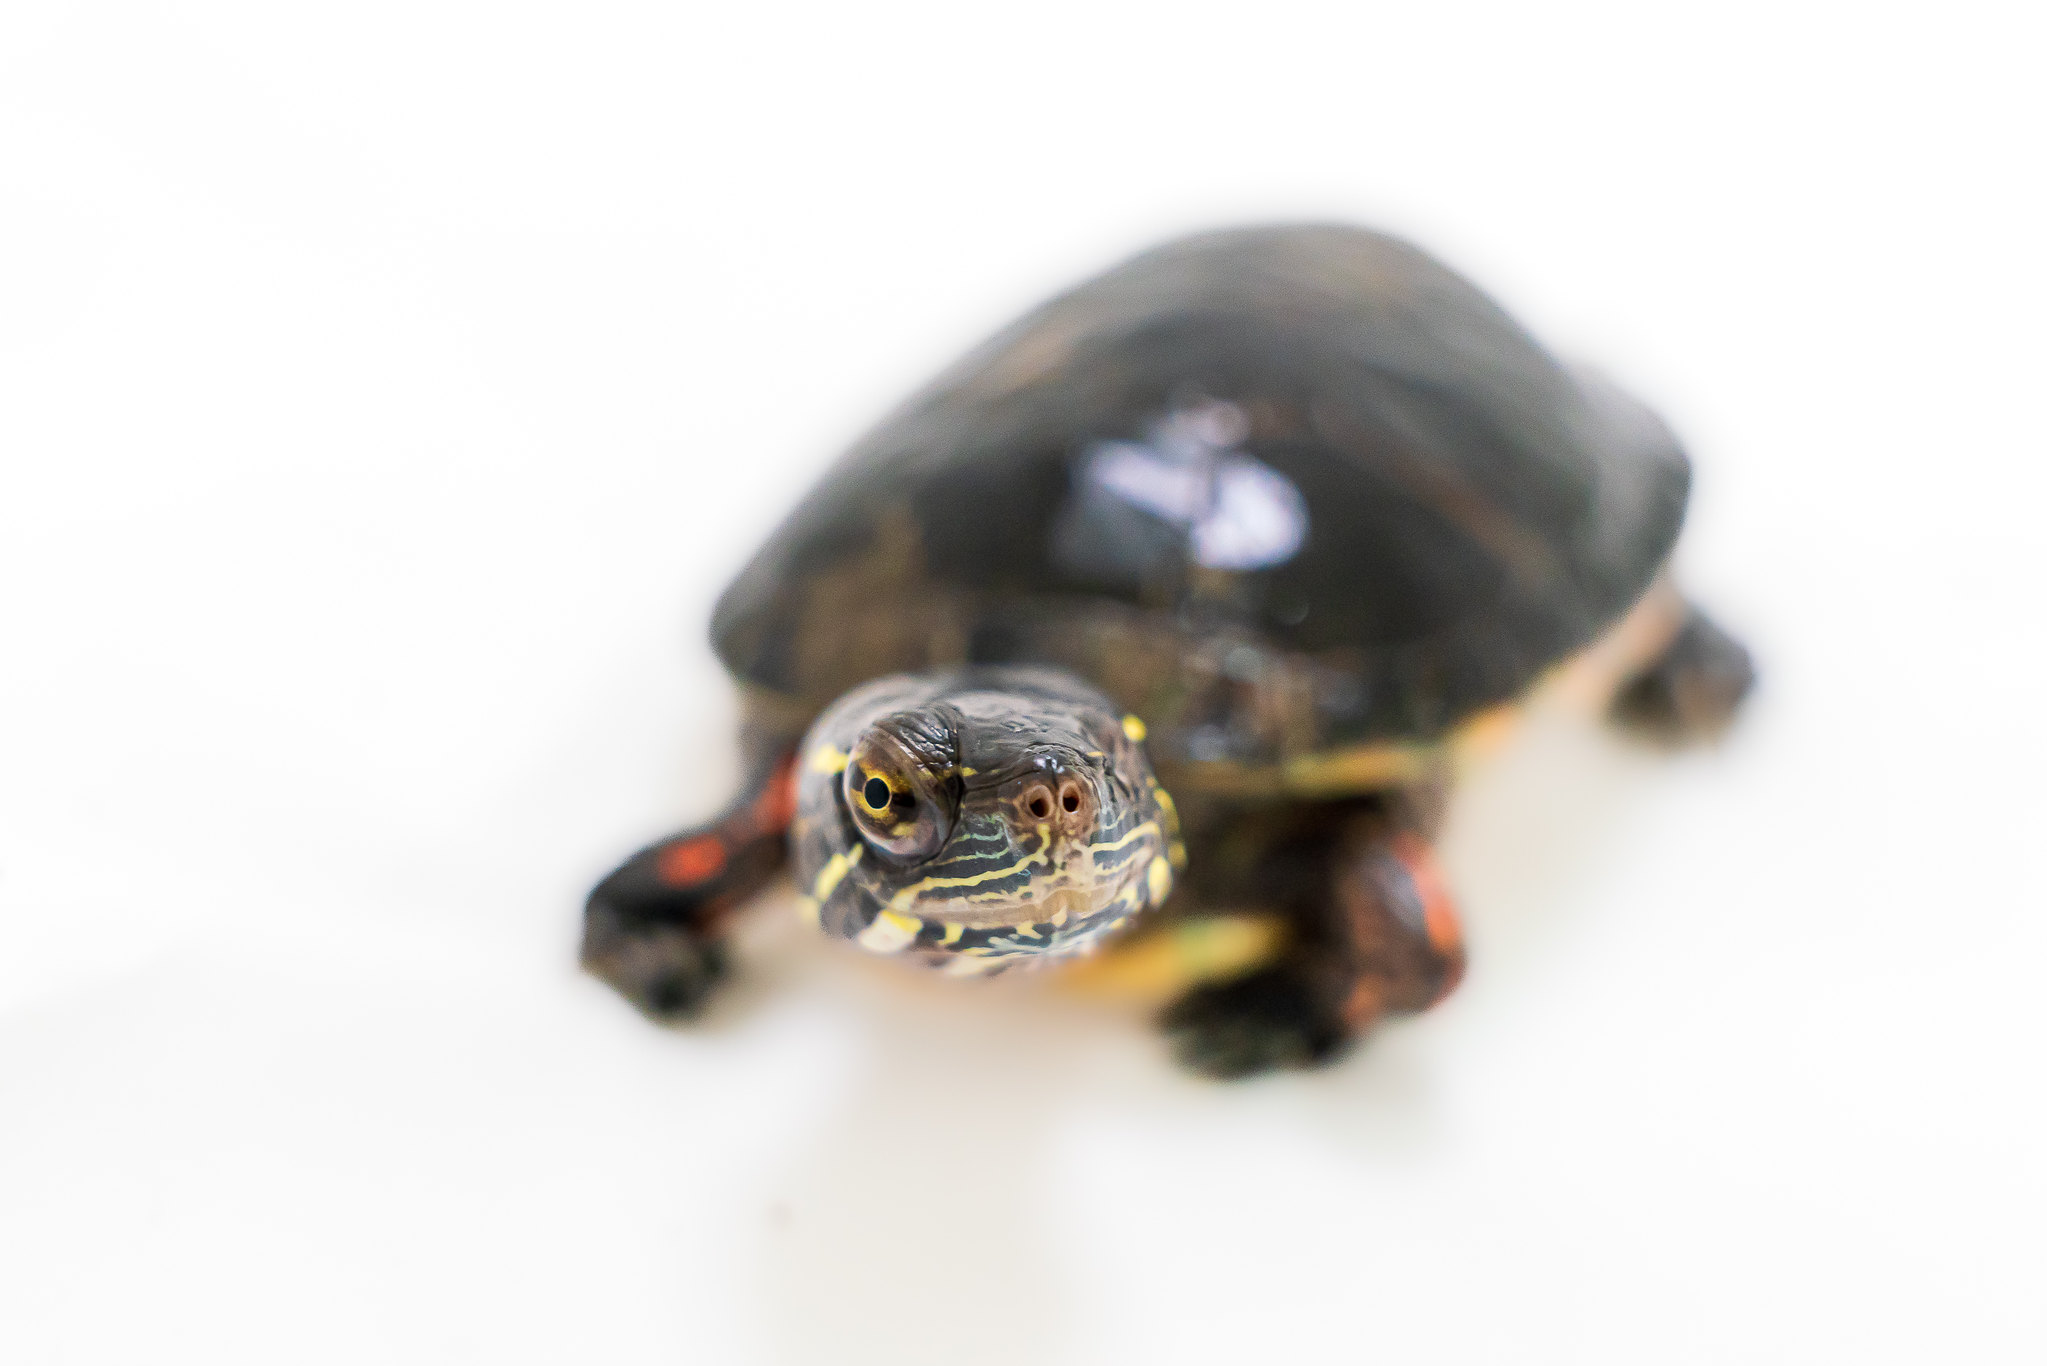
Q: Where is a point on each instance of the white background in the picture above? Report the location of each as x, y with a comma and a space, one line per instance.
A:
386, 391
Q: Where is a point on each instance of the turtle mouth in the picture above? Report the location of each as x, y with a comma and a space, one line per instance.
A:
1048, 917
1055, 913
1055, 908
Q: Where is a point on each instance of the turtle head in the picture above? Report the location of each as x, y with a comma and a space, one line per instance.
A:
979, 819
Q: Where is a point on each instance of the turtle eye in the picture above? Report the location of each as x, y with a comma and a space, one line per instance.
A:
899, 807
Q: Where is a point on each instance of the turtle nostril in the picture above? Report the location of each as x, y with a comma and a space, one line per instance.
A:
1060, 799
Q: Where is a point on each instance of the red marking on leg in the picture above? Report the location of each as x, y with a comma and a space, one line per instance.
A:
1439, 912
691, 862
772, 811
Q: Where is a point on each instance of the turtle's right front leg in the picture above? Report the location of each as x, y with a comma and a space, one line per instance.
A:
654, 928
1373, 933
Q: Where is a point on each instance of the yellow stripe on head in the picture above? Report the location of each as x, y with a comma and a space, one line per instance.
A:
835, 872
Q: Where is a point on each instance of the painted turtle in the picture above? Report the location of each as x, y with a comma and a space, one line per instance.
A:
1264, 519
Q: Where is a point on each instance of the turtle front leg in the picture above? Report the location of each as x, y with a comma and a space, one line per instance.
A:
654, 928
1378, 936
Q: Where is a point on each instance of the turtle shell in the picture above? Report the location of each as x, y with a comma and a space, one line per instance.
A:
1279, 490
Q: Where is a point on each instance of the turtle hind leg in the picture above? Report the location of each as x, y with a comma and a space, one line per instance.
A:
1691, 690
1373, 934
653, 928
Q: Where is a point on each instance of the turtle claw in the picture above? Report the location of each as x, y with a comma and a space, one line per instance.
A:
666, 971
1262, 1022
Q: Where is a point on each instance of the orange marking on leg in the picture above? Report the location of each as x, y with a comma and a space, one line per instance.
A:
1365, 1004
691, 862
1439, 912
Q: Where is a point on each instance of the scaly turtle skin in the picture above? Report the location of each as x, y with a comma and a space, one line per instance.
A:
1260, 518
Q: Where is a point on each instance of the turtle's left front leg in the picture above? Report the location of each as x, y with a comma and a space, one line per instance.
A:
1374, 933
